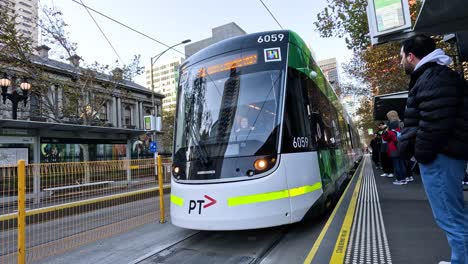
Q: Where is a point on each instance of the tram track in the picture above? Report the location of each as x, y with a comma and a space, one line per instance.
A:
244, 247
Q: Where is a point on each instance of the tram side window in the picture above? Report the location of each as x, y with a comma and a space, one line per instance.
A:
297, 136
343, 131
324, 119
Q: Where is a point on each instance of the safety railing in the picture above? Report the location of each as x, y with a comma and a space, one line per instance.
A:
66, 205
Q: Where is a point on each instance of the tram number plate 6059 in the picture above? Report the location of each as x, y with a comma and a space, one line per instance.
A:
300, 142
270, 38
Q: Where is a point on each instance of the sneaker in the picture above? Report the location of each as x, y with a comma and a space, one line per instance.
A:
444, 262
390, 175
409, 179
402, 182
384, 175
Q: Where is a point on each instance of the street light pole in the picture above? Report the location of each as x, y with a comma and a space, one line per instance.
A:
153, 61
157, 160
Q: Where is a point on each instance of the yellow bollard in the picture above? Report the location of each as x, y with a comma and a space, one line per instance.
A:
161, 191
21, 212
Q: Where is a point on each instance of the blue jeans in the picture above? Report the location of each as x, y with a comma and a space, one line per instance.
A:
399, 168
442, 180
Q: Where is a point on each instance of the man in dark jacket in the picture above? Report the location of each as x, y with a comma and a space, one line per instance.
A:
436, 134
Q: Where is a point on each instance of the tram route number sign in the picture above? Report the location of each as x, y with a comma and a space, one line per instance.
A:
197, 205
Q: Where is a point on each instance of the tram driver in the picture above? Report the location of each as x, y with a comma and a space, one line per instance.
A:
244, 126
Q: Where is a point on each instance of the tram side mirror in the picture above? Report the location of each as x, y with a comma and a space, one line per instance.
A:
313, 74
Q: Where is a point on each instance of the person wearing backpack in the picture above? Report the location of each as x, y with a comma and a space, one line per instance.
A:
391, 137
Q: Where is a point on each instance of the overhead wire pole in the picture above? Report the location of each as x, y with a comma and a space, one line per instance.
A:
108, 41
271, 14
126, 26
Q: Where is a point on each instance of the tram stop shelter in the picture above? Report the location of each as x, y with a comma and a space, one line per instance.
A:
38, 142
387, 102
442, 17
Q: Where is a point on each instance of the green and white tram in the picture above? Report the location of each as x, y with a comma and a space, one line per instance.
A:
260, 137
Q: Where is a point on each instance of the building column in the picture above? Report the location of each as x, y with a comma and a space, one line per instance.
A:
142, 114
37, 169
114, 112
128, 159
136, 115
119, 112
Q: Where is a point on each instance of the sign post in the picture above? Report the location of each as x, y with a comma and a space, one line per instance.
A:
153, 148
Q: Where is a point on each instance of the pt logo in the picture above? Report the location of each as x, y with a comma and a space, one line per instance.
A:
198, 203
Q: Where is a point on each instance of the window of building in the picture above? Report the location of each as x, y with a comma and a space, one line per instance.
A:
127, 116
103, 112
159, 108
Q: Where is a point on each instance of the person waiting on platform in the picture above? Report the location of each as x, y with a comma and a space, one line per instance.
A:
391, 137
435, 134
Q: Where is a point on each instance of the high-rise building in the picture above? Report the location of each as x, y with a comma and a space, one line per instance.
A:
217, 34
26, 12
165, 71
165, 77
330, 69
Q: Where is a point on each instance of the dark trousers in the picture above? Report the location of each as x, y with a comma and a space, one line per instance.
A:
386, 163
399, 169
375, 159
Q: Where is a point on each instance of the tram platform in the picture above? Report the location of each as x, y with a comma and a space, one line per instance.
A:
373, 222
379, 222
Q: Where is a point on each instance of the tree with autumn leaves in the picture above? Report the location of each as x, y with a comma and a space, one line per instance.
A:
374, 69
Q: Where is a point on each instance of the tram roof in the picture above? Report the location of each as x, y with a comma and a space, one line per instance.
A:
231, 44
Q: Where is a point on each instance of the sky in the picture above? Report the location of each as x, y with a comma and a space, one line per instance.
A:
175, 20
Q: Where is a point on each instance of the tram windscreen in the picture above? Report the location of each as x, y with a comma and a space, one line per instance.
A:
228, 107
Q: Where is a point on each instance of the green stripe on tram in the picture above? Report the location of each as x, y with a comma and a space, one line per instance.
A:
271, 196
177, 200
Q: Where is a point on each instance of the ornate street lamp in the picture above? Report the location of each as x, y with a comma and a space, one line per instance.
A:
14, 96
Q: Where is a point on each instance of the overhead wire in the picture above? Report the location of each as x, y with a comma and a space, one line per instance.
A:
104, 34
126, 26
271, 14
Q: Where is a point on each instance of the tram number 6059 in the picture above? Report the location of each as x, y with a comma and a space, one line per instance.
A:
300, 142
270, 38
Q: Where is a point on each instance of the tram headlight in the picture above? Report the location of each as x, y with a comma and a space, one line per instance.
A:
177, 170
261, 164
